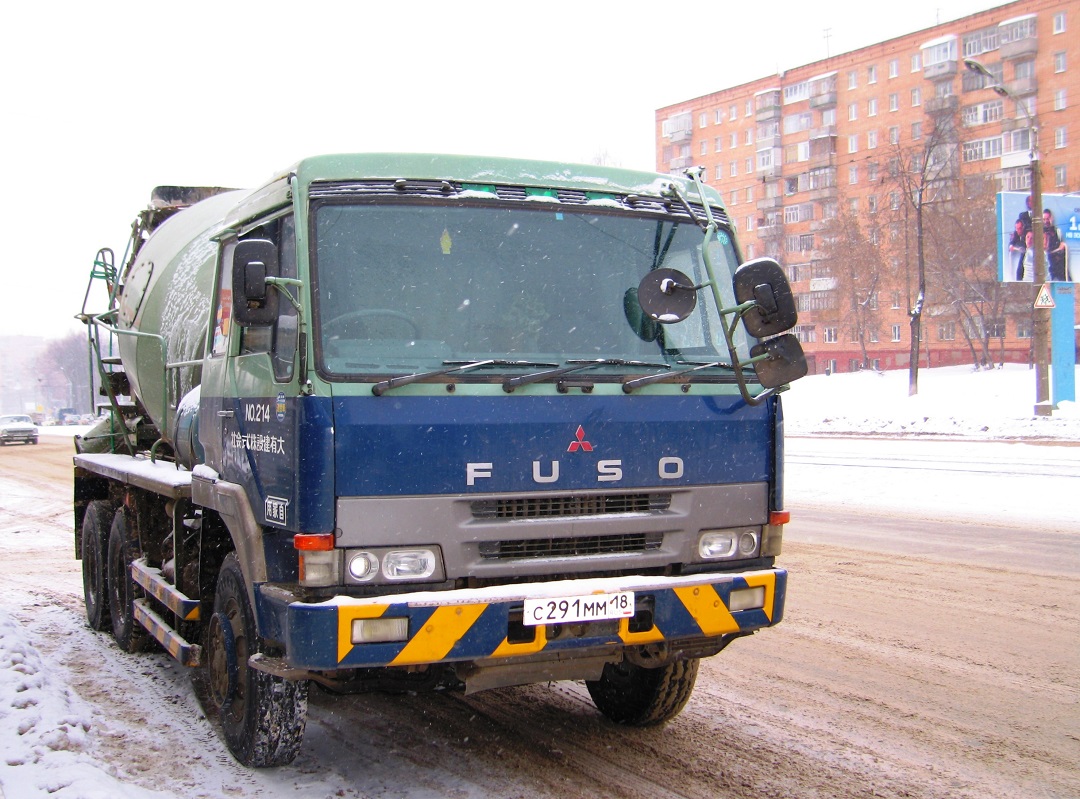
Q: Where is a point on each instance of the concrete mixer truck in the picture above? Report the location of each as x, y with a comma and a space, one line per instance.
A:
434, 422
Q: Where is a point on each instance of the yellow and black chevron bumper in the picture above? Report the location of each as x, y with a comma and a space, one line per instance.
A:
476, 624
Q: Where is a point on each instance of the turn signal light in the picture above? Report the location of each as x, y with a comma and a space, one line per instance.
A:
321, 542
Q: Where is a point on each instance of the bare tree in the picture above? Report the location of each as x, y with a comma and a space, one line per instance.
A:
856, 264
926, 173
64, 368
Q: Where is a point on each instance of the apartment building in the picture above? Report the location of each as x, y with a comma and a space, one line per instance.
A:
791, 153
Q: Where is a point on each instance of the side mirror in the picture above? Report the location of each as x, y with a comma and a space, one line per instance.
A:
763, 281
254, 302
667, 296
783, 363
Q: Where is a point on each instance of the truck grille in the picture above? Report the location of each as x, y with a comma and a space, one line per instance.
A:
561, 506
570, 547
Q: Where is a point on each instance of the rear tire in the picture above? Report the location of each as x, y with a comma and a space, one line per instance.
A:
129, 634
262, 715
95, 532
639, 697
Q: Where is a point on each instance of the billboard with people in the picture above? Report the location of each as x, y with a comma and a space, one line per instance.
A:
1061, 236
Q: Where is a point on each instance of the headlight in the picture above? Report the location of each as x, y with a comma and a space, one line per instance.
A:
729, 544
363, 566
409, 564
388, 564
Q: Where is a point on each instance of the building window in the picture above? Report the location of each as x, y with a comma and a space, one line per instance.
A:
748, 108
830, 335
1059, 62
894, 134
852, 112
853, 80
734, 197
982, 149
1059, 22
1018, 29
853, 143
947, 331
748, 139
1024, 70
916, 62
703, 119
749, 222
896, 300
1059, 176
873, 338
1059, 100
916, 97
748, 166
894, 102
871, 73
871, 139
749, 194
853, 174
894, 68
871, 107
982, 113
916, 130
871, 203
939, 53
719, 172
872, 170
1059, 137
718, 143
719, 116
896, 332
732, 113
704, 148
733, 169
734, 139
1024, 328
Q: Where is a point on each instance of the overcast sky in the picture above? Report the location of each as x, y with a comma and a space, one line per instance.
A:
103, 101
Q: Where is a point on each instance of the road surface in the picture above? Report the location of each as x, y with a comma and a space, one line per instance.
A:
923, 672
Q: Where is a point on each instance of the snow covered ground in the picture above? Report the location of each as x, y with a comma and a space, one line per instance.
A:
954, 401
46, 729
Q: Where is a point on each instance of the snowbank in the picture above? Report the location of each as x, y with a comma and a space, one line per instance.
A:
953, 401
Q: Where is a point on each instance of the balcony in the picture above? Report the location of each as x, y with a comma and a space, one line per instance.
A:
681, 163
769, 172
770, 203
823, 193
1021, 48
1022, 86
940, 70
678, 136
823, 100
942, 105
823, 132
768, 113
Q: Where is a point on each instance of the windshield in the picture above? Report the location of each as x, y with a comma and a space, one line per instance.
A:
405, 287
16, 420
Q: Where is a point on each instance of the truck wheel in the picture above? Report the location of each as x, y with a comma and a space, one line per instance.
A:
641, 697
95, 533
128, 633
262, 715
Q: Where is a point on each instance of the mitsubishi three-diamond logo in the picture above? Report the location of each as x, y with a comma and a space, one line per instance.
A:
579, 442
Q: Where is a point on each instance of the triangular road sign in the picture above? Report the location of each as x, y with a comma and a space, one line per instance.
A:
1045, 298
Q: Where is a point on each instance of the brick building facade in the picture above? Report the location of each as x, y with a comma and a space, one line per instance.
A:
791, 153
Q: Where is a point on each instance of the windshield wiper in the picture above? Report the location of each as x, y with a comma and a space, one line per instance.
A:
383, 386
510, 383
637, 382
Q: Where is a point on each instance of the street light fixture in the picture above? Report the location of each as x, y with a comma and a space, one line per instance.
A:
1042, 315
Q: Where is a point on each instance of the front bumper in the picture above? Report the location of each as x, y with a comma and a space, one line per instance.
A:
479, 624
25, 436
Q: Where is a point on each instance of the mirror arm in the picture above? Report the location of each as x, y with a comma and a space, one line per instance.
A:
282, 284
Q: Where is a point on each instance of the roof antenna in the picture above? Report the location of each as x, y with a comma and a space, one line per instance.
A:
828, 35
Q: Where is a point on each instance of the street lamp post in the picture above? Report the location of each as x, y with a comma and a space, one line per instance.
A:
1042, 315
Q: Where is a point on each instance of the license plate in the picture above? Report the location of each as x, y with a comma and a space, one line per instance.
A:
570, 609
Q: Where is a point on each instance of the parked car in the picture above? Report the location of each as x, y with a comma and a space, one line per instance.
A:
18, 427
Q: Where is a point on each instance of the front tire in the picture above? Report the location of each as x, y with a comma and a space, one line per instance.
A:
128, 633
639, 697
95, 537
262, 715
